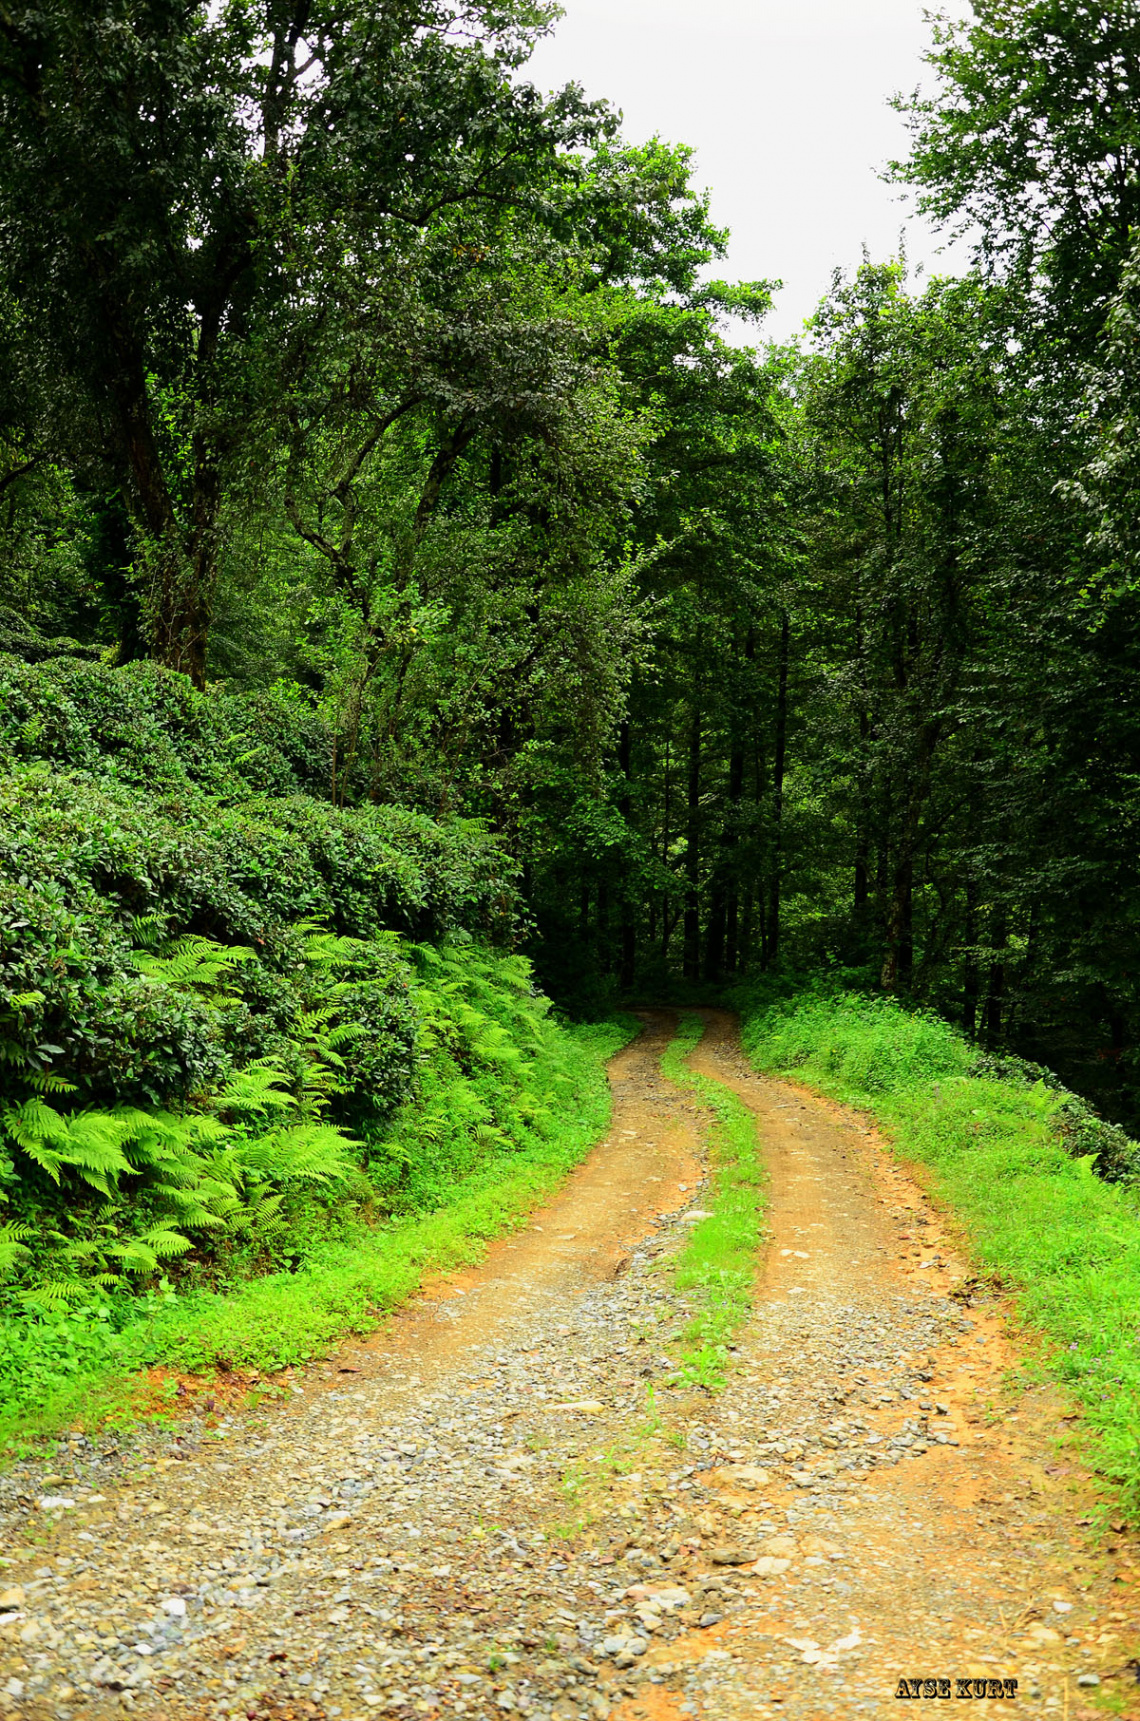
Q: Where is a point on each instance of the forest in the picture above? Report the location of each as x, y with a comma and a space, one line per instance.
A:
425, 593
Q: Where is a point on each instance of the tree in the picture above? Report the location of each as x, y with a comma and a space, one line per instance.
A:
184, 183
1030, 143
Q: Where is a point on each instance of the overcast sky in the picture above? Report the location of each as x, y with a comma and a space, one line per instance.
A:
785, 102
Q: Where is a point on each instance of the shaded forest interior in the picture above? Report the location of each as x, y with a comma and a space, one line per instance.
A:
354, 389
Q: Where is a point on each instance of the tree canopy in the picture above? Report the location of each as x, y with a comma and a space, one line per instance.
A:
344, 370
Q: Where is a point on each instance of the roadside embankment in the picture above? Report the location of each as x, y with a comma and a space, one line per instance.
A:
1001, 1156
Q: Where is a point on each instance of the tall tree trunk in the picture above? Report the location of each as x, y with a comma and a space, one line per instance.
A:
666, 838
716, 929
995, 991
776, 881
732, 931
113, 548
744, 954
970, 977
862, 883
732, 833
906, 928
861, 902
691, 960
898, 956
628, 923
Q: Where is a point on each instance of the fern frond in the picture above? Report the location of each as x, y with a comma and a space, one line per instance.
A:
306, 1152
147, 930
13, 1236
50, 1295
193, 963
45, 1083
165, 1242
324, 949
135, 1255
261, 1215
258, 1087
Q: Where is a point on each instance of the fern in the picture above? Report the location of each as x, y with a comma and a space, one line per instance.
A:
89, 1143
306, 1152
43, 1082
13, 1237
148, 930
259, 1087
50, 1296
260, 1216
196, 964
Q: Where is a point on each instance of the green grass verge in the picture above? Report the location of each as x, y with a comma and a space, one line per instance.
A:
284, 1318
719, 1259
1032, 1209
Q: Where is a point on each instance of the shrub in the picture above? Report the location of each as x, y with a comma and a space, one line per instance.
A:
146, 726
220, 1039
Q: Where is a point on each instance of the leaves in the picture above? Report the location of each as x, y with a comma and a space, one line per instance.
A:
198, 964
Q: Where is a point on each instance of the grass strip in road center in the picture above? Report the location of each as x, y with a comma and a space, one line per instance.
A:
719, 1260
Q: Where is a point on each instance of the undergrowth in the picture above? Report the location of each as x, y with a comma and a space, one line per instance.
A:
718, 1262
1004, 1158
507, 1100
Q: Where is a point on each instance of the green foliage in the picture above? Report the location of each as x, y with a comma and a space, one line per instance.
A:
719, 1260
1026, 137
860, 1041
78, 1358
145, 726
192, 1071
303, 145
93, 875
1015, 1177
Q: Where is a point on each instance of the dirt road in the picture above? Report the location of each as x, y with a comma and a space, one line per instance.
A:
501, 1506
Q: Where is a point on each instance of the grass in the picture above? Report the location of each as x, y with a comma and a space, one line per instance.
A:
1033, 1210
93, 1373
718, 1262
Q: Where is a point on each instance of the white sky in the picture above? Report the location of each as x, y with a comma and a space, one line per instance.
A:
785, 103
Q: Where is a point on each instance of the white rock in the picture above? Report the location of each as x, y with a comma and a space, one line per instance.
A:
174, 1605
56, 1503
624, 1644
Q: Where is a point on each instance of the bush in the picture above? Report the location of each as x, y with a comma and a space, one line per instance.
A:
505, 1101
237, 1023
147, 726
90, 872
867, 1043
